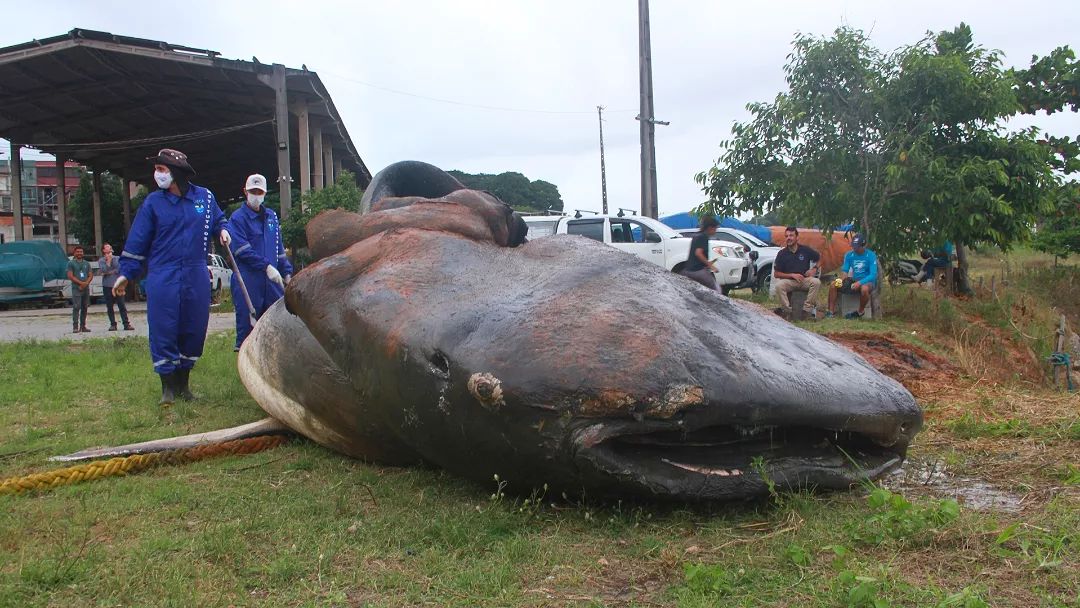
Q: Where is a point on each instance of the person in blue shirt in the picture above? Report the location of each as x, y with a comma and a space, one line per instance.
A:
260, 255
170, 240
861, 267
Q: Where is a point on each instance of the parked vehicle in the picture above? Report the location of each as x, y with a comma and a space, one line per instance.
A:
31, 273
220, 273
762, 255
645, 238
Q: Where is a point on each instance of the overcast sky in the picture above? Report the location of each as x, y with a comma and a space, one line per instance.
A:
520, 80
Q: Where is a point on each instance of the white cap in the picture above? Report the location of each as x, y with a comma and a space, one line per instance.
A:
255, 182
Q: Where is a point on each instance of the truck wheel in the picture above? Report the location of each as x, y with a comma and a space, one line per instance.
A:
764, 280
725, 289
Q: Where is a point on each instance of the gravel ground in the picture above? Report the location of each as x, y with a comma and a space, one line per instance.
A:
55, 323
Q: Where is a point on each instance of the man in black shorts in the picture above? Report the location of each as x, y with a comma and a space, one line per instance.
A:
698, 267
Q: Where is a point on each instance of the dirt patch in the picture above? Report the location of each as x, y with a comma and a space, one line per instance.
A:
925, 374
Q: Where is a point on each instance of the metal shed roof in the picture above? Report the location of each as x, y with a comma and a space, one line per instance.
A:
111, 101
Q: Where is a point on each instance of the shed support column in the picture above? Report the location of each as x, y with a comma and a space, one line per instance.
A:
328, 162
125, 196
16, 192
97, 211
304, 140
277, 81
317, 145
61, 203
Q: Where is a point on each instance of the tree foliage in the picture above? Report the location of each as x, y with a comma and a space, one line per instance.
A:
515, 189
342, 194
908, 145
1059, 232
81, 211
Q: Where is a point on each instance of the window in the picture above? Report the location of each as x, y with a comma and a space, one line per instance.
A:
541, 228
723, 236
590, 228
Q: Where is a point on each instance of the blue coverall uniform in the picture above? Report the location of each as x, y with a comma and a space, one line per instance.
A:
170, 240
256, 244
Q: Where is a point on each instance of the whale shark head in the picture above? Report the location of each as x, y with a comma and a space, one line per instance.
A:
430, 331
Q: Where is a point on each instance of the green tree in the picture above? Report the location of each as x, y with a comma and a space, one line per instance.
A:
515, 189
81, 210
1059, 233
909, 145
342, 194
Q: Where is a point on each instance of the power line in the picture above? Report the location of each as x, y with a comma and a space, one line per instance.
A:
101, 146
460, 103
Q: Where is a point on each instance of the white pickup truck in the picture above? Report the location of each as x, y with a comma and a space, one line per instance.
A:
646, 238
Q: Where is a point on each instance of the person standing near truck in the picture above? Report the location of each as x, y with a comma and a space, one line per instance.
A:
109, 266
698, 267
80, 274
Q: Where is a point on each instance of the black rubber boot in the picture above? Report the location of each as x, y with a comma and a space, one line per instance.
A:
182, 389
168, 396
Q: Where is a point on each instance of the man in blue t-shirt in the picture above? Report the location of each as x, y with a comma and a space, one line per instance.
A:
861, 268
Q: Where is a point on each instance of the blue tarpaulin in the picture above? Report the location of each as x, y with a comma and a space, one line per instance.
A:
28, 264
682, 221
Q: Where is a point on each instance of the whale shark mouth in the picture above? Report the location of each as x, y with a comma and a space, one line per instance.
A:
718, 460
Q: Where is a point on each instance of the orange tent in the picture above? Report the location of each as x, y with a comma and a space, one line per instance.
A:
832, 249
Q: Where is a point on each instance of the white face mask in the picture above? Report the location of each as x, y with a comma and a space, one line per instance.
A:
163, 179
255, 200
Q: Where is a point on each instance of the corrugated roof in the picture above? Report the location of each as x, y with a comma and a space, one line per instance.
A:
72, 95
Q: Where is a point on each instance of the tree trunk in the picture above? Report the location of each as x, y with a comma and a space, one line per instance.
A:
961, 284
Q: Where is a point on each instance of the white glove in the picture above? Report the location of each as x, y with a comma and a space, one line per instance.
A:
275, 276
226, 238
288, 278
120, 286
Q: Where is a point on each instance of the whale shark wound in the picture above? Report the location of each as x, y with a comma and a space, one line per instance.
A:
430, 330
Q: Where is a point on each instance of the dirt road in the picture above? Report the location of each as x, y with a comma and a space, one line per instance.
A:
55, 323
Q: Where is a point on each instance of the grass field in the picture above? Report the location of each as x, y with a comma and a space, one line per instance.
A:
303, 526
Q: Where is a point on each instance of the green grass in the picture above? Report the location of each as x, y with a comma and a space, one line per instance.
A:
303, 526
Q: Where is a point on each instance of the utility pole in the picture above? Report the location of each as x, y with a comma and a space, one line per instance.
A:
603, 171
649, 207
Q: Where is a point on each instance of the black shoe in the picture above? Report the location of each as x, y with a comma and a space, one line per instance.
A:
128, 327
84, 329
168, 396
182, 389
74, 329
112, 327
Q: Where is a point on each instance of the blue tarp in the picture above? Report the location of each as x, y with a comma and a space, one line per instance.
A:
28, 264
682, 221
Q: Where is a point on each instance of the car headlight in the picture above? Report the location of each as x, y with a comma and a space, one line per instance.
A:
725, 251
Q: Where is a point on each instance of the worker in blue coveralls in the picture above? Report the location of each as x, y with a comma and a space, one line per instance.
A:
260, 255
170, 241
861, 268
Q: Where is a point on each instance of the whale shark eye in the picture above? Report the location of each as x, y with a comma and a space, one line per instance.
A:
440, 366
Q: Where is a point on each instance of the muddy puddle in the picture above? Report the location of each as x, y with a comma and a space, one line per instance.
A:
935, 478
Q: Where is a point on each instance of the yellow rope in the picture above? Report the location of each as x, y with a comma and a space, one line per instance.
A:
137, 462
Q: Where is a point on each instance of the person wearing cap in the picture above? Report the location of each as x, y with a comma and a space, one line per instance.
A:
260, 255
169, 241
861, 267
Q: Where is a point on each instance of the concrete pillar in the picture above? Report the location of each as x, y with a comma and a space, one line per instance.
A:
304, 139
61, 203
281, 106
317, 151
97, 211
337, 167
328, 161
16, 192
125, 196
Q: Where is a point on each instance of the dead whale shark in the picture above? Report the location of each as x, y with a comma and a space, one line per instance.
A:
431, 331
